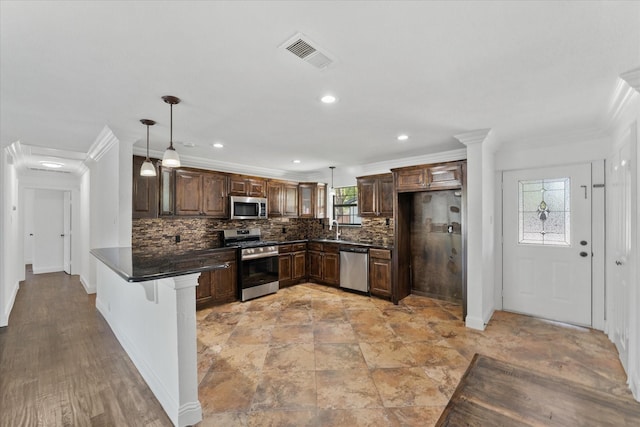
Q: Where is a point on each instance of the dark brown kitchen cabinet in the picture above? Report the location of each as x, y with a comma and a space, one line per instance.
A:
200, 193
292, 263
411, 178
282, 199
380, 272
145, 192
312, 200
218, 286
324, 263
445, 176
375, 195
242, 185
167, 190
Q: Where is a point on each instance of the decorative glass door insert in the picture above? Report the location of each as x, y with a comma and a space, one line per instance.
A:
544, 208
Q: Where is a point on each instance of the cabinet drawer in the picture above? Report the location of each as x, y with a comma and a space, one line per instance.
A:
380, 253
283, 249
225, 256
331, 248
315, 246
297, 247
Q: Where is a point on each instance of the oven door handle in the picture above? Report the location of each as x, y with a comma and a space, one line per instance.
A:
257, 256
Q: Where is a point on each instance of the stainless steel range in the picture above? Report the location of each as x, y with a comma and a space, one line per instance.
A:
258, 262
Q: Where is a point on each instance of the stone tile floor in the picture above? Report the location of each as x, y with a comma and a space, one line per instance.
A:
313, 355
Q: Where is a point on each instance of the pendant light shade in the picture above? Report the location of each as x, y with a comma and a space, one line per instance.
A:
147, 168
171, 159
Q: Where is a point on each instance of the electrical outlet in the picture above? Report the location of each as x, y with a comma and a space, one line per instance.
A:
284, 230
177, 238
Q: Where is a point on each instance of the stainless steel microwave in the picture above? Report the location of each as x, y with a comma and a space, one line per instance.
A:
248, 207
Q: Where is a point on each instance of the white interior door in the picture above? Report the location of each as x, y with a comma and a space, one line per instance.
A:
547, 243
66, 239
619, 236
49, 230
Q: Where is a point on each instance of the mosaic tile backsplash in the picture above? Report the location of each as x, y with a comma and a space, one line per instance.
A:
158, 235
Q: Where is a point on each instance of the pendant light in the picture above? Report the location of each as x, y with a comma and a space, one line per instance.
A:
333, 190
147, 168
171, 158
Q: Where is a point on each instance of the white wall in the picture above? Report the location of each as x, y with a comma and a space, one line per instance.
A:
104, 206
12, 268
84, 260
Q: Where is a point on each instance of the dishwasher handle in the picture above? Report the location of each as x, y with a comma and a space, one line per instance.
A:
355, 249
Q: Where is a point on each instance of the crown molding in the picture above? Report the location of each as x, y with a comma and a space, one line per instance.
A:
473, 137
103, 143
632, 78
16, 156
387, 165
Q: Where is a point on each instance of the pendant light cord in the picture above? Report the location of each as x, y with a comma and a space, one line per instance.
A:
147, 143
171, 127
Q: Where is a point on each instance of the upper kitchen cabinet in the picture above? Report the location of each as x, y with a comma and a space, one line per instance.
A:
312, 200
167, 190
200, 193
445, 176
145, 192
282, 199
375, 195
241, 185
442, 176
411, 178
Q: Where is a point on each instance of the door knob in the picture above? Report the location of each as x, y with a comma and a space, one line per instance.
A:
583, 254
583, 242
618, 262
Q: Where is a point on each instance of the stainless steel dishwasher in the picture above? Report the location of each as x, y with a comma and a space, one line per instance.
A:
354, 268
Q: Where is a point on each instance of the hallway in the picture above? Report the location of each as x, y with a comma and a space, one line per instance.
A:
60, 364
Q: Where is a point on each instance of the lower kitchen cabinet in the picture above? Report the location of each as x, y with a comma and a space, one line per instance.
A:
324, 263
292, 263
219, 286
380, 272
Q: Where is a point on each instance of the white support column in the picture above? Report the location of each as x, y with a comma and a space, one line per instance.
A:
480, 227
632, 78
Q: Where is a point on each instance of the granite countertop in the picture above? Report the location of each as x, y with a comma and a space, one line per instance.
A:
349, 242
140, 267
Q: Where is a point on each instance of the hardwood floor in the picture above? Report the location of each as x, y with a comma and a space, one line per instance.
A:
493, 392
60, 364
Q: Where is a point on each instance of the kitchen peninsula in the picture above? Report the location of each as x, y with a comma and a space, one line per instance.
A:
149, 303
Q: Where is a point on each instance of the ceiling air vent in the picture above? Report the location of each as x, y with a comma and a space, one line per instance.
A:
305, 49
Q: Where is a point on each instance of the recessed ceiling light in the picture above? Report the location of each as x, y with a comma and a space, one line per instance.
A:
403, 137
328, 99
52, 165
218, 145
296, 161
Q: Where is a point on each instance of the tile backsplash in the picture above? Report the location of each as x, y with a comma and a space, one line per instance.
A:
158, 235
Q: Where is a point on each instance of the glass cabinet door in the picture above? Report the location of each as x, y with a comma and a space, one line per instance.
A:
167, 191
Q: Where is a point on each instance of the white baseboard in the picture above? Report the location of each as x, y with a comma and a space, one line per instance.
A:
51, 269
6, 310
634, 385
475, 323
91, 289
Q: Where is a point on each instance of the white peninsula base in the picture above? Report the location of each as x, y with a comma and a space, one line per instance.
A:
155, 322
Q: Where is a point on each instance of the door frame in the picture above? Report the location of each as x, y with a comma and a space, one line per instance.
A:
597, 238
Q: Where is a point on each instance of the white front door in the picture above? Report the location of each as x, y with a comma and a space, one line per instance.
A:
547, 243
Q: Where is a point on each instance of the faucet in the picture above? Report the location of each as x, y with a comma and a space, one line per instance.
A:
337, 228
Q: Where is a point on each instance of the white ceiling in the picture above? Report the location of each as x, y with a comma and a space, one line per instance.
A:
428, 69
